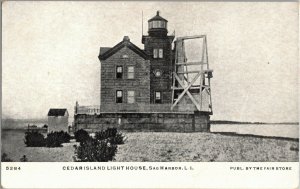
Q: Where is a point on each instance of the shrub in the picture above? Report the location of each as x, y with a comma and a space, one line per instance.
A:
81, 135
118, 139
113, 136
34, 139
93, 150
55, 139
65, 137
24, 159
4, 158
109, 132
101, 135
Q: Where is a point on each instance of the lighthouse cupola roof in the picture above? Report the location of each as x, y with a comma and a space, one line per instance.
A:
157, 26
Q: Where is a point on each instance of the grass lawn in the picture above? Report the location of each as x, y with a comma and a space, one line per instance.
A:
167, 146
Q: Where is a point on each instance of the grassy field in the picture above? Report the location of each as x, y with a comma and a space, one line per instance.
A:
164, 146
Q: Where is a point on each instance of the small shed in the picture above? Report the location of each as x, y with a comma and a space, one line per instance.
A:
58, 119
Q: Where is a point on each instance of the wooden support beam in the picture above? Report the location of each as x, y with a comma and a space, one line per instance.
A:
186, 91
190, 37
204, 71
190, 63
180, 88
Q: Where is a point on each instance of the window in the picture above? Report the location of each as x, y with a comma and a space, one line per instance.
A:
158, 53
159, 24
155, 53
157, 73
130, 74
157, 97
155, 24
119, 96
130, 97
119, 72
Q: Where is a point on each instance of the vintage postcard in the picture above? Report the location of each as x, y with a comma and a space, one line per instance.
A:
149, 94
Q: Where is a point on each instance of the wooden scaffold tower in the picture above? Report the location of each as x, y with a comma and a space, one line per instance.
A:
191, 80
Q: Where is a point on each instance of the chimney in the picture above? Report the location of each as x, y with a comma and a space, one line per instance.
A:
126, 38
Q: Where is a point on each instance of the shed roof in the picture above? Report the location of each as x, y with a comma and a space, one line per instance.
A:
57, 111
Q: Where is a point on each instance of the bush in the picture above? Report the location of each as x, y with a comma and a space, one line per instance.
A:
24, 158
81, 135
118, 139
93, 150
65, 137
109, 132
34, 139
101, 135
113, 136
55, 139
4, 158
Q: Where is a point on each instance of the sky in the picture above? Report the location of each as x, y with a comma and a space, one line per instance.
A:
50, 53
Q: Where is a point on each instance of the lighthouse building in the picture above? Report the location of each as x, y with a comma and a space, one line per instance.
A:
136, 87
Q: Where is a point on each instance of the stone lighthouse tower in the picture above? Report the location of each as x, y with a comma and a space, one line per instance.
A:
158, 45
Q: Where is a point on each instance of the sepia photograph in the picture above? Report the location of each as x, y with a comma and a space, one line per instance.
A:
149, 81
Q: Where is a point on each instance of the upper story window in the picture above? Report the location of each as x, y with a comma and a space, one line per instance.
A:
157, 97
119, 96
158, 53
130, 97
119, 72
130, 74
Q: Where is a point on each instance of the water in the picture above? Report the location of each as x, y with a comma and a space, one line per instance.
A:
278, 130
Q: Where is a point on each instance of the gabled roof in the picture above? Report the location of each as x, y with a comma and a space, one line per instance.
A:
106, 52
104, 49
57, 112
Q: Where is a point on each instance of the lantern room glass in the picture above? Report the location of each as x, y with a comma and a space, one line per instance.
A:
157, 24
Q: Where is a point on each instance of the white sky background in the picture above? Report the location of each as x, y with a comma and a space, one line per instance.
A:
50, 49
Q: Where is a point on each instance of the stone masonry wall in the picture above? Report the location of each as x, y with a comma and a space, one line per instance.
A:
170, 122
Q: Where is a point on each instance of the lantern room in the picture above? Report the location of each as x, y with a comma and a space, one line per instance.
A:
157, 26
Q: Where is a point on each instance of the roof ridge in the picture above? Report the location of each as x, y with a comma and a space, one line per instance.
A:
125, 42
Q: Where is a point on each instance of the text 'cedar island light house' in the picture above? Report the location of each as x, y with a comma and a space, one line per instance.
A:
151, 89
